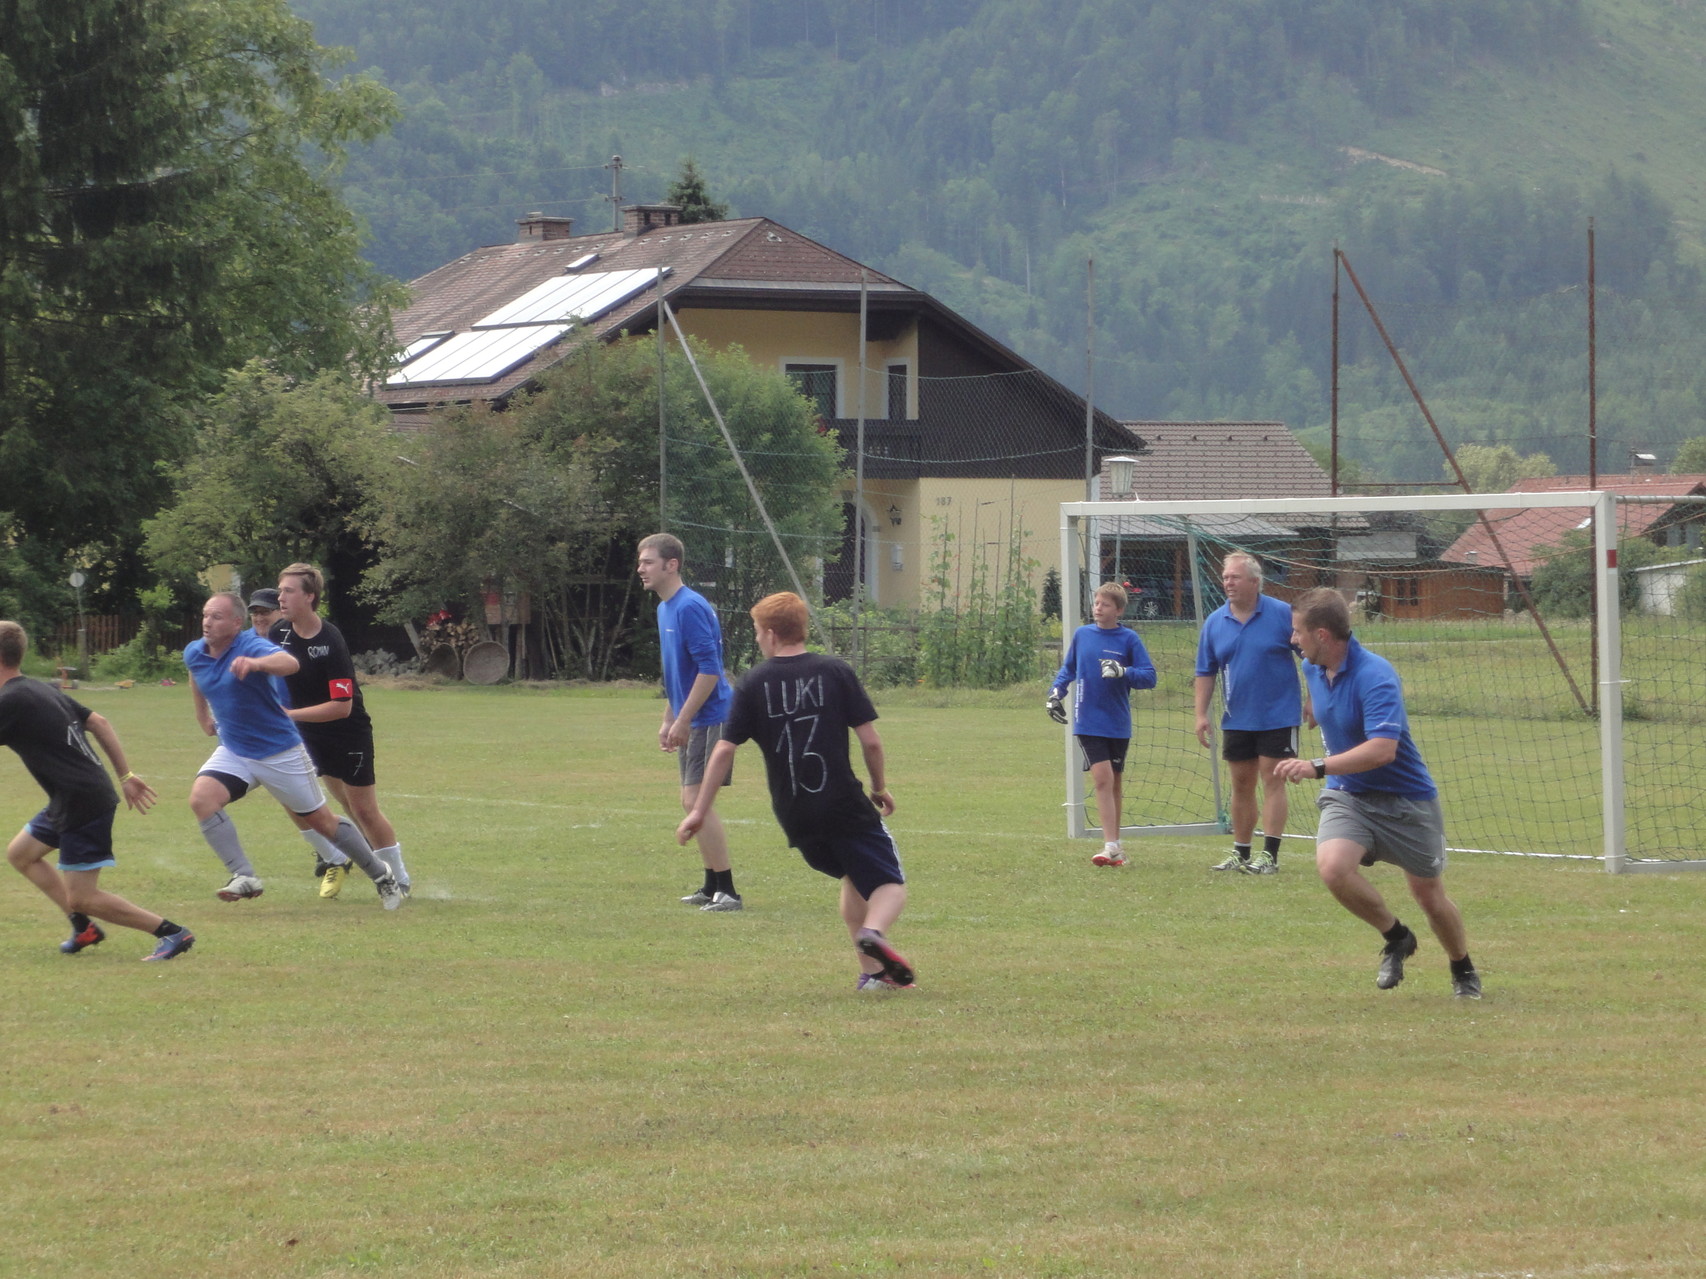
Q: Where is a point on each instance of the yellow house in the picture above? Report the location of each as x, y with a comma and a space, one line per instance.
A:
966, 445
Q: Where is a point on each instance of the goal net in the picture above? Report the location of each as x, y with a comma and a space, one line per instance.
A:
1553, 695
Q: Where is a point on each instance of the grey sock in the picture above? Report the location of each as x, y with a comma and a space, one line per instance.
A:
347, 838
323, 848
221, 835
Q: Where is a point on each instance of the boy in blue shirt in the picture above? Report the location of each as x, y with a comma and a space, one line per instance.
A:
696, 702
1105, 661
1380, 802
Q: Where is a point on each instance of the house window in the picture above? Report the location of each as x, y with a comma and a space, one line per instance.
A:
818, 383
1407, 592
897, 392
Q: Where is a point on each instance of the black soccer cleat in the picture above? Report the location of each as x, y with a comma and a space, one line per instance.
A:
1392, 960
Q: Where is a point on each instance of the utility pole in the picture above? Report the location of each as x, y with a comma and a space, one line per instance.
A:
615, 197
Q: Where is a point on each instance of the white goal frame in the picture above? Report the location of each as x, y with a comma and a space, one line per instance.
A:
1079, 531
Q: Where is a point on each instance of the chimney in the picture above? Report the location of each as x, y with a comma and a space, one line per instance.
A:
536, 226
637, 219
1641, 460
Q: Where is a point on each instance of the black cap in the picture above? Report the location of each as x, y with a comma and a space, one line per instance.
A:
266, 598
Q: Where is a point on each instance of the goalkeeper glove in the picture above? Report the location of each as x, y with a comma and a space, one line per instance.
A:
1111, 668
1056, 711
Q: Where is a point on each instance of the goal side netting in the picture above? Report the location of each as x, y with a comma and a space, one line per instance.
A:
1553, 696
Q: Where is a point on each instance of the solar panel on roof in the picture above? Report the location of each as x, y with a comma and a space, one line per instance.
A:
565, 297
421, 345
478, 356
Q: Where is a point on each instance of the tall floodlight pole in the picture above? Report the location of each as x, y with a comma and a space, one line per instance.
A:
1593, 369
859, 484
1089, 411
663, 446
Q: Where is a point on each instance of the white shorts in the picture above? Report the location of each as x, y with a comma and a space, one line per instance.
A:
289, 776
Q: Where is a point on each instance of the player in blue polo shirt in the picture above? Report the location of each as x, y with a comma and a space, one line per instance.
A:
1380, 803
1104, 661
236, 702
1247, 642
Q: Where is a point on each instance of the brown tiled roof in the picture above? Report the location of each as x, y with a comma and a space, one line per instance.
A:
1525, 534
740, 255
1211, 460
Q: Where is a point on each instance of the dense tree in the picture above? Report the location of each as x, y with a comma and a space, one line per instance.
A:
281, 471
548, 498
1493, 468
166, 212
689, 191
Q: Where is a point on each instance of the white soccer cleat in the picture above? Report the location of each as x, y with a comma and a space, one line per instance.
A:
391, 893
241, 888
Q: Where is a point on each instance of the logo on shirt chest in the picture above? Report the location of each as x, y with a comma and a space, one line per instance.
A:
318, 650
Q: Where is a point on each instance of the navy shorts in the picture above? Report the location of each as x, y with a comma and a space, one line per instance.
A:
1239, 744
1103, 750
867, 857
85, 847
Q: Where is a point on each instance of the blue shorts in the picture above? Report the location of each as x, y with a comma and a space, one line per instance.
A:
85, 847
867, 857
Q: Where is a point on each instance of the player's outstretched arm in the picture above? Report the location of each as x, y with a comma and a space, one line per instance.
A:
138, 794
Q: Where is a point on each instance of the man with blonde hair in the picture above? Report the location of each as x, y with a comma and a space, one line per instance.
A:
1105, 661
799, 707
1380, 803
50, 733
1247, 643
324, 699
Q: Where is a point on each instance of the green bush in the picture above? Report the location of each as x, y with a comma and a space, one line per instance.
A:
141, 659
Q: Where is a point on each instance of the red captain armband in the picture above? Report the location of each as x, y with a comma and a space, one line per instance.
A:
341, 690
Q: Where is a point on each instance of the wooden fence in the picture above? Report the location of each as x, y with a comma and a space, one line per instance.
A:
113, 630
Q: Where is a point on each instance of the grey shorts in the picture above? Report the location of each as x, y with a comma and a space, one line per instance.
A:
698, 749
1409, 833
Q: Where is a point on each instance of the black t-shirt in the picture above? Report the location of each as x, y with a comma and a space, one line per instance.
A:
799, 710
326, 675
45, 728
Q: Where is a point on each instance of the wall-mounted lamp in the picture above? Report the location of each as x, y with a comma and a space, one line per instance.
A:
894, 515
1119, 474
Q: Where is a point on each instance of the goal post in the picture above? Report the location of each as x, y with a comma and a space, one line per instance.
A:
1502, 613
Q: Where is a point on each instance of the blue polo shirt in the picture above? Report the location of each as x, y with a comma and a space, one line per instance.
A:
691, 642
1260, 686
251, 722
1366, 700
1102, 707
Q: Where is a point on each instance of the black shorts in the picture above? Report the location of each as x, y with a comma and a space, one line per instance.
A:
1240, 744
1103, 750
867, 857
349, 759
85, 847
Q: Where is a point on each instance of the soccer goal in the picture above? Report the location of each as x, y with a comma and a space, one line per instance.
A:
1556, 701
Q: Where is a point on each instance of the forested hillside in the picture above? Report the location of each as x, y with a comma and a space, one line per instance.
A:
1208, 154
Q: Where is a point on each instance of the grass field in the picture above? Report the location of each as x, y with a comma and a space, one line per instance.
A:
543, 1065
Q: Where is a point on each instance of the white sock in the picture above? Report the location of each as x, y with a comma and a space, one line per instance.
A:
323, 848
1112, 846
394, 859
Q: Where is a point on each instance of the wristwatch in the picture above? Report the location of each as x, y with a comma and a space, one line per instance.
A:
1320, 767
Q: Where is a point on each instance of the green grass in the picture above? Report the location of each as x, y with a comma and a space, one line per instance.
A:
544, 1066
